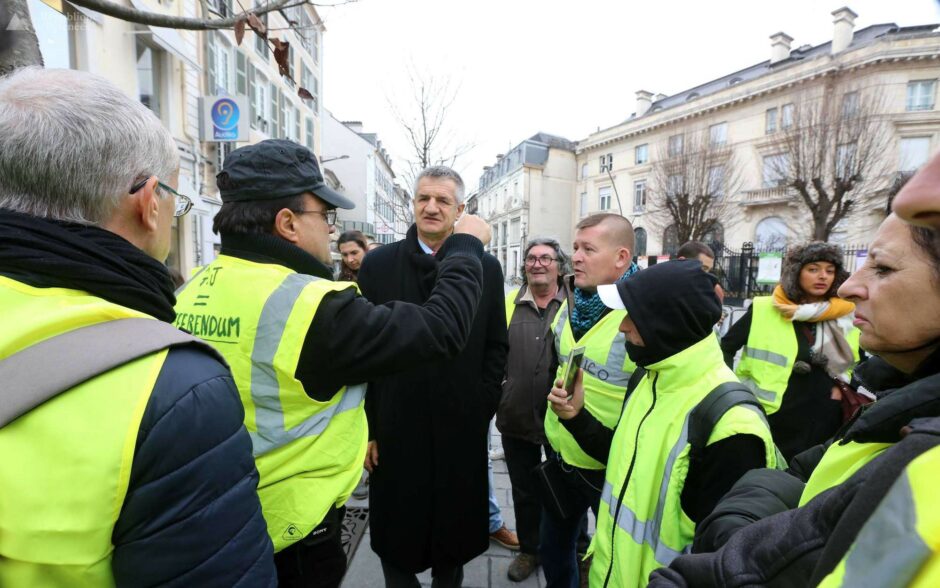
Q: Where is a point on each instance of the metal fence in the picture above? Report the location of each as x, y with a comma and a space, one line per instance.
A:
737, 270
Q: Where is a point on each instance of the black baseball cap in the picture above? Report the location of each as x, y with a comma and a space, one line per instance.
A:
272, 169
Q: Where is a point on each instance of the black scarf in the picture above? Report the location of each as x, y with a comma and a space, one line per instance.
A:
264, 248
48, 253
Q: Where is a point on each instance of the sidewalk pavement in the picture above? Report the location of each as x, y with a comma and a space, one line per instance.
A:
486, 571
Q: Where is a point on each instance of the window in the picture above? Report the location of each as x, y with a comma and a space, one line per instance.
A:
914, 153
308, 135
675, 184
515, 230
849, 104
845, 160
920, 94
219, 69
641, 153
310, 83
505, 232
289, 78
284, 122
607, 162
771, 233
639, 196
718, 134
583, 205
716, 181
297, 124
775, 170
603, 197
786, 116
148, 76
770, 121
675, 145
640, 234
671, 240
54, 30
305, 30
222, 7
584, 170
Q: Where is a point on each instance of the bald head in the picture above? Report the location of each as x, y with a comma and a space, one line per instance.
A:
617, 229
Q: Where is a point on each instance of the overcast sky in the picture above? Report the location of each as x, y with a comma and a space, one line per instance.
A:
561, 67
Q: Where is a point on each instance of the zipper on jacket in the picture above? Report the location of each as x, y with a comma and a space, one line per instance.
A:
626, 482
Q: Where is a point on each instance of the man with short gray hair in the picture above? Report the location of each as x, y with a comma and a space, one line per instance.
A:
428, 427
118, 478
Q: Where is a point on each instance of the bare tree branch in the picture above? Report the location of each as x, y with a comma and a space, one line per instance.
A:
832, 153
692, 180
19, 46
173, 22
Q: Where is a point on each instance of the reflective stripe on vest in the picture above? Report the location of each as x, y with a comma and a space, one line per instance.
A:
607, 371
308, 452
838, 464
900, 544
265, 390
647, 527
66, 464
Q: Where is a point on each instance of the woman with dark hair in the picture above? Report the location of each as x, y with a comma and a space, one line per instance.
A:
799, 348
353, 246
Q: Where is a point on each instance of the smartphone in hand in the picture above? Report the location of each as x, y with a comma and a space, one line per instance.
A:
572, 365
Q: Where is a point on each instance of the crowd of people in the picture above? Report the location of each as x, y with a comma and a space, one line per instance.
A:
212, 435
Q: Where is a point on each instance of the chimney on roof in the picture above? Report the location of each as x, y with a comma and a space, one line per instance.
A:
659, 97
779, 47
644, 100
843, 21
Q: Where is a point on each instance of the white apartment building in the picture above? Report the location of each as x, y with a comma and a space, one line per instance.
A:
527, 194
364, 168
170, 70
747, 110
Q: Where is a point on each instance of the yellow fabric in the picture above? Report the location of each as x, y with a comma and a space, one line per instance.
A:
838, 464
309, 453
900, 543
607, 371
511, 304
653, 435
770, 333
66, 464
838, 307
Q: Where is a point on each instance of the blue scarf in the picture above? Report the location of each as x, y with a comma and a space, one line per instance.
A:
588, 307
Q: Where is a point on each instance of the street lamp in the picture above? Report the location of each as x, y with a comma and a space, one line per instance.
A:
326, 159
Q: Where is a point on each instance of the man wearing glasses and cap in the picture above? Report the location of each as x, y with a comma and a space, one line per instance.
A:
301, 346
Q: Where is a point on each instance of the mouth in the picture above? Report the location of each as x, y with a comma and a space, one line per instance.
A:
860, 319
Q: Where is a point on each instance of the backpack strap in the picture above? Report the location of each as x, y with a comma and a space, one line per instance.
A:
709, 411
29, 379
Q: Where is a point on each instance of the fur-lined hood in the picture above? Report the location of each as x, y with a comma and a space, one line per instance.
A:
801, 255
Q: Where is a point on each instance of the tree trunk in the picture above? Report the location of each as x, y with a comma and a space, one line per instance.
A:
19, 46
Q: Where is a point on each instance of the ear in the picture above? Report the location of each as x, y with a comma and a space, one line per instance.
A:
146, 206
285, 225
624, 258
460, 208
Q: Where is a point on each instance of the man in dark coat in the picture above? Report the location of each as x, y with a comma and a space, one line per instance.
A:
428, 426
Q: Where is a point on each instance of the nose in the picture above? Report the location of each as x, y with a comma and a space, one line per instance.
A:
853, 288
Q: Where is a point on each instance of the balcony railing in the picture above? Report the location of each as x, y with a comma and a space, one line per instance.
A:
764, 196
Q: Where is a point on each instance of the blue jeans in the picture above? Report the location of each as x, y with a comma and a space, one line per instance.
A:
496, 519
558, 538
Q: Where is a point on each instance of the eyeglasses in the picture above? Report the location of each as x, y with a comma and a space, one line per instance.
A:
330, 214
544, 260
182, 204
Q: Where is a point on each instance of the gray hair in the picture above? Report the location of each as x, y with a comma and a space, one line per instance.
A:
442, 171
72, 145
563, 267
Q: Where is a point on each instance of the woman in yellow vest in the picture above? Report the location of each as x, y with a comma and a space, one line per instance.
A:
655, 490
897, 298
798, 343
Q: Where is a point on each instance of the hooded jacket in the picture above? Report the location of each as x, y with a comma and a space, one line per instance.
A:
673, 308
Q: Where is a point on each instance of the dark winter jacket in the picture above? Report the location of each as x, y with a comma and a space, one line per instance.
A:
428, 502
191, 516
784, 549
806, 394
530, 367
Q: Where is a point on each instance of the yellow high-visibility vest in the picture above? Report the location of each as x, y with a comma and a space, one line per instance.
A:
309, 453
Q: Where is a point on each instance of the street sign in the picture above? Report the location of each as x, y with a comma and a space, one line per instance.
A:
224, 118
